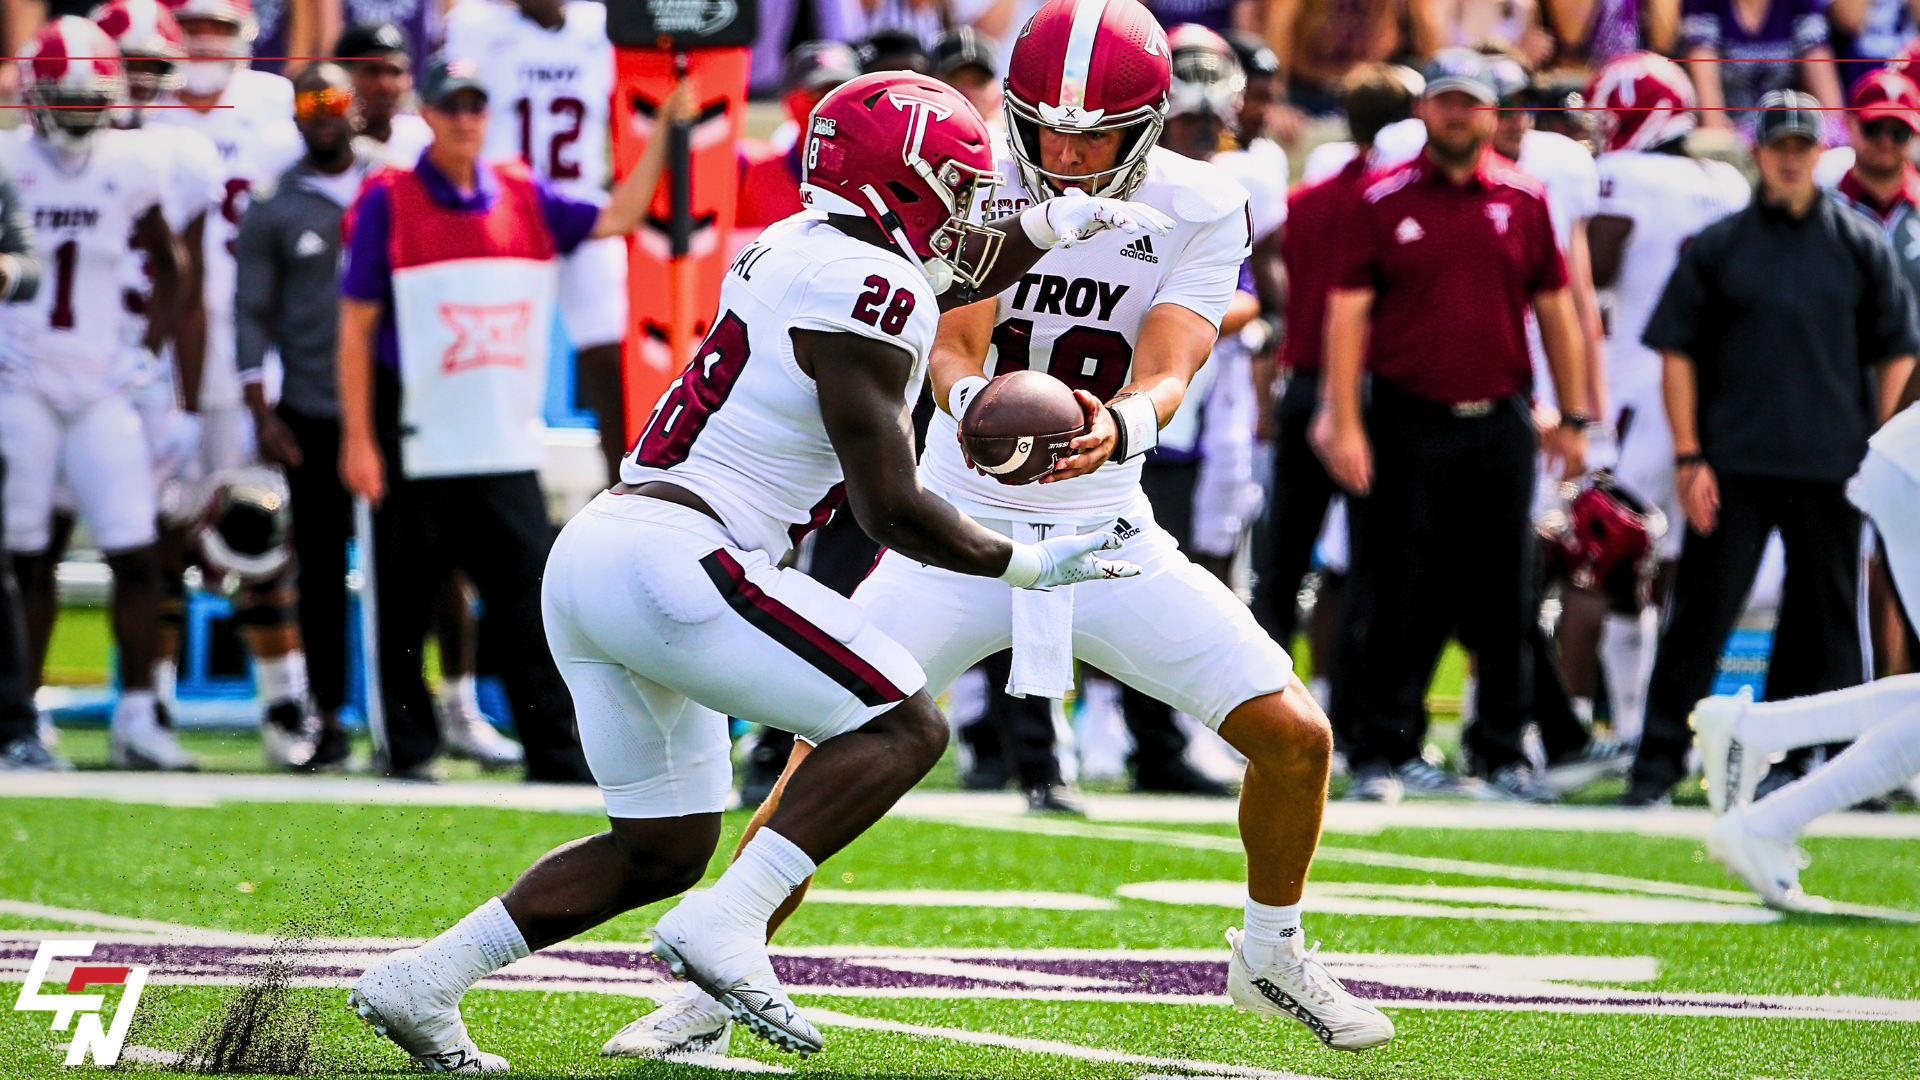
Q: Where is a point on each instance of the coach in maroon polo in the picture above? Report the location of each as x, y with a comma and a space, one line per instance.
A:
1444, 258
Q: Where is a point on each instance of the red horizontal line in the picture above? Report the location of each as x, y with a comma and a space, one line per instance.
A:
1697, 108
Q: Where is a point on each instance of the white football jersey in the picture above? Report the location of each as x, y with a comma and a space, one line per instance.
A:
257, 141
1262, 170
1669, 198
195, 184
741, 426
551, 91
1077, 315
66, 341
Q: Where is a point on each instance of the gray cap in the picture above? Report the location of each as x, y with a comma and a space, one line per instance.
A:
1464, 70
962, 46
1784, 113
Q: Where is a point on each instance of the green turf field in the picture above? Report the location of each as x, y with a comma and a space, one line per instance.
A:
1554, 953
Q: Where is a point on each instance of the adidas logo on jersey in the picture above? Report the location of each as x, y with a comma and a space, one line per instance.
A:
1141, 249
1124, 529
309, 244
1408, 231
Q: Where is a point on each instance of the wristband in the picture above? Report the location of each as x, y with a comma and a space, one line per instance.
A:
961, 394
1024, 566
1576, 419
1033, 221
1681, 461
1137, 425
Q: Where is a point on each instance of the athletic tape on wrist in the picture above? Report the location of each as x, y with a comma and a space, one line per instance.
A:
962, 393
1137, 423
1033, 221
1024, 566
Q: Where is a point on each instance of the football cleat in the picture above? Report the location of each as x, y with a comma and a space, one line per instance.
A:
31, 755
1733, 770
468, 735
401, 999
731, 964
1298, 986
137, 741
1521, 782
1375, 783
1769, 867
1600, 758
1421, 779
691, 1025
289, 735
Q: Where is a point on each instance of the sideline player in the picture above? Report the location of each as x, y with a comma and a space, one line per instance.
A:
248, 116
548, 69
800, 395
1654, 197
1755, 840
65, 410
1126, 322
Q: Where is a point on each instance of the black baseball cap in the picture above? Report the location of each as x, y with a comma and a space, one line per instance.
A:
1784, 113
1464, 70
892, 49
1255, 55
449, 75
962, 46
820, 65
362, 40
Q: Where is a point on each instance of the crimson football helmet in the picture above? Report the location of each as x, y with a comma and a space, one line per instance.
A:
910, 154
1205, 75
144, 30
1607, 541
73, 80
1643, 100
1083, 66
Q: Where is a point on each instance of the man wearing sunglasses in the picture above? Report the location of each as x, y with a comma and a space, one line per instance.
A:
288, 299
1882, 182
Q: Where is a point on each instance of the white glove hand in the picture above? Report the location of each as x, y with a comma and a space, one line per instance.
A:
1069, 219
1065, 560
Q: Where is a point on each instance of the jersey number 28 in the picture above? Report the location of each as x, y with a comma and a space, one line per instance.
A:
692, 399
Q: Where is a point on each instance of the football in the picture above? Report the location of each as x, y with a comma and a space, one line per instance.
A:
1020, 425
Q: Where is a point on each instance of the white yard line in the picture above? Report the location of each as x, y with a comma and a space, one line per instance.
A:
1046, 1046
202, 789
1034, 824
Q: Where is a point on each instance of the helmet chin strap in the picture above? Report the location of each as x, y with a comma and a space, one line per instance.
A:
939, 272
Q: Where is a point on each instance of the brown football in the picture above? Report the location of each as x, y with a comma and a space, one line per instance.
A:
1020, 425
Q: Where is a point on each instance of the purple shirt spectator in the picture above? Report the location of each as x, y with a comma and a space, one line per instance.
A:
1788, 31
367, 275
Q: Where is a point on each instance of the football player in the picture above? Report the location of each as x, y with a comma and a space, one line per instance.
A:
66, 414
1754, 840
548, 67
1654, 197
248, 116
800, 396
1126, 321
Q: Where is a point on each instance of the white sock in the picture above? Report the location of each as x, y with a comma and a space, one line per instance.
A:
1835, 716
1269, 930
766, 873
166, 678
281, 678
462, 691
1627, 662
1881, 759
475, 947
1582, 710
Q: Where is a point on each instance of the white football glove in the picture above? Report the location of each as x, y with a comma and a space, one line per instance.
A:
1065, 560
1068, 219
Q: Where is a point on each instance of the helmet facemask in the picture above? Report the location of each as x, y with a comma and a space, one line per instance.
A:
1141, 129
68, 119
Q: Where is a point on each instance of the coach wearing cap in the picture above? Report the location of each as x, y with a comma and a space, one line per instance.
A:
1444, 257
1787, 333
449, 288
